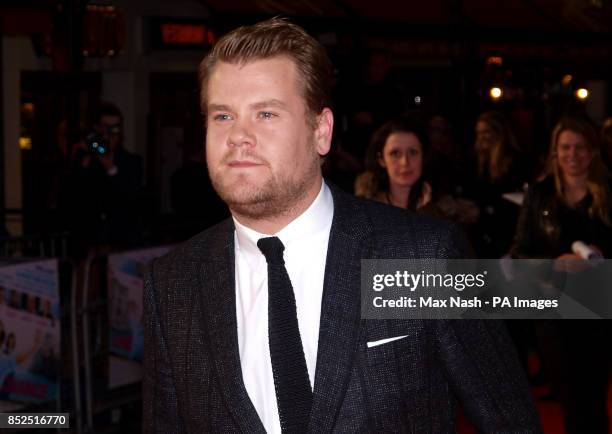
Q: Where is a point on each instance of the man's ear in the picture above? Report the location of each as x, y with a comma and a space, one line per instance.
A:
324, 129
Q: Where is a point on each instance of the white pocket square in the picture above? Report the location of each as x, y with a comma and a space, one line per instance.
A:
384, 341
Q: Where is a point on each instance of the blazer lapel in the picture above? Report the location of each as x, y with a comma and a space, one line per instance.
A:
340, 311
219, 299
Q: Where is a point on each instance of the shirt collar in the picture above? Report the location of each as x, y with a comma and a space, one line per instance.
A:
316, 218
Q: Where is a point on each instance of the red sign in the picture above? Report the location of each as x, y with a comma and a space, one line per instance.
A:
186, 34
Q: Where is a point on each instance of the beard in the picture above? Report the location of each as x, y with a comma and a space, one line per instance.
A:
275, 196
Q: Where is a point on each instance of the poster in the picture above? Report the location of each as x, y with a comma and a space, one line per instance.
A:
126, 282
29, 331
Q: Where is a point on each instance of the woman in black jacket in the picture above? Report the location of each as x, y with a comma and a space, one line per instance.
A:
571, 203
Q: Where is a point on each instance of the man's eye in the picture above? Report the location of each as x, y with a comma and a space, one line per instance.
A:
222, 117
266, 115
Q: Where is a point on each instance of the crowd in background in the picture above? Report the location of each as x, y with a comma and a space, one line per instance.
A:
386, 147
508, 201
509, 206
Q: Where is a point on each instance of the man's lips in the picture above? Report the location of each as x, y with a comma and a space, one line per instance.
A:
243, 163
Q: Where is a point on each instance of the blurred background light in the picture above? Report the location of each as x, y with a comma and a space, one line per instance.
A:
582, 93
495, 93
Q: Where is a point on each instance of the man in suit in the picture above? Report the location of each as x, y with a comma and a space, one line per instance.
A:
254, 325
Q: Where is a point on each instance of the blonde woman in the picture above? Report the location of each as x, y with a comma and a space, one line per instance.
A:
496, 170
496, 148
572, 203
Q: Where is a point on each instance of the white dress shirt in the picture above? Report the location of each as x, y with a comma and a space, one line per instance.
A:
305, 240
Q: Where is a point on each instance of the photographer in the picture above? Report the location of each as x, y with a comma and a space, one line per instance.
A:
105, 183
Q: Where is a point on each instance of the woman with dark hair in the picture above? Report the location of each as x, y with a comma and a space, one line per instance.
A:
571, 203
395, 163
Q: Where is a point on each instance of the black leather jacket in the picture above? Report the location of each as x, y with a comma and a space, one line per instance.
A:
547, 228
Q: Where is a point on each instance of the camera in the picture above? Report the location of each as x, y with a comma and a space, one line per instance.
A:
96, 144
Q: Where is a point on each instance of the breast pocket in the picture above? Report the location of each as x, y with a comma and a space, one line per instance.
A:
384, 362
386, 350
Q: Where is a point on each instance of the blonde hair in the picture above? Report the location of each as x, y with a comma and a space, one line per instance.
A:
271, 38
502, 155
597, 179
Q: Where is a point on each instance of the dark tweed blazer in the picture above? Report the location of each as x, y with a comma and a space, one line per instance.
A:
192, 375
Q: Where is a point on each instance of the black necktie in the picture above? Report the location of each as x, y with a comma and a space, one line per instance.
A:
293, 392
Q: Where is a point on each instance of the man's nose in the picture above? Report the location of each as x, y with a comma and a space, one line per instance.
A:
241, 134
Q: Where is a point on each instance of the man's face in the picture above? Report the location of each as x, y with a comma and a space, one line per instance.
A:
110, 128
262, 151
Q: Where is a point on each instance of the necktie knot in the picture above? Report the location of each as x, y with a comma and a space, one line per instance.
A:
272, 248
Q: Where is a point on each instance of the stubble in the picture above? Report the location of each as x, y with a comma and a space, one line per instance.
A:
276, 197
